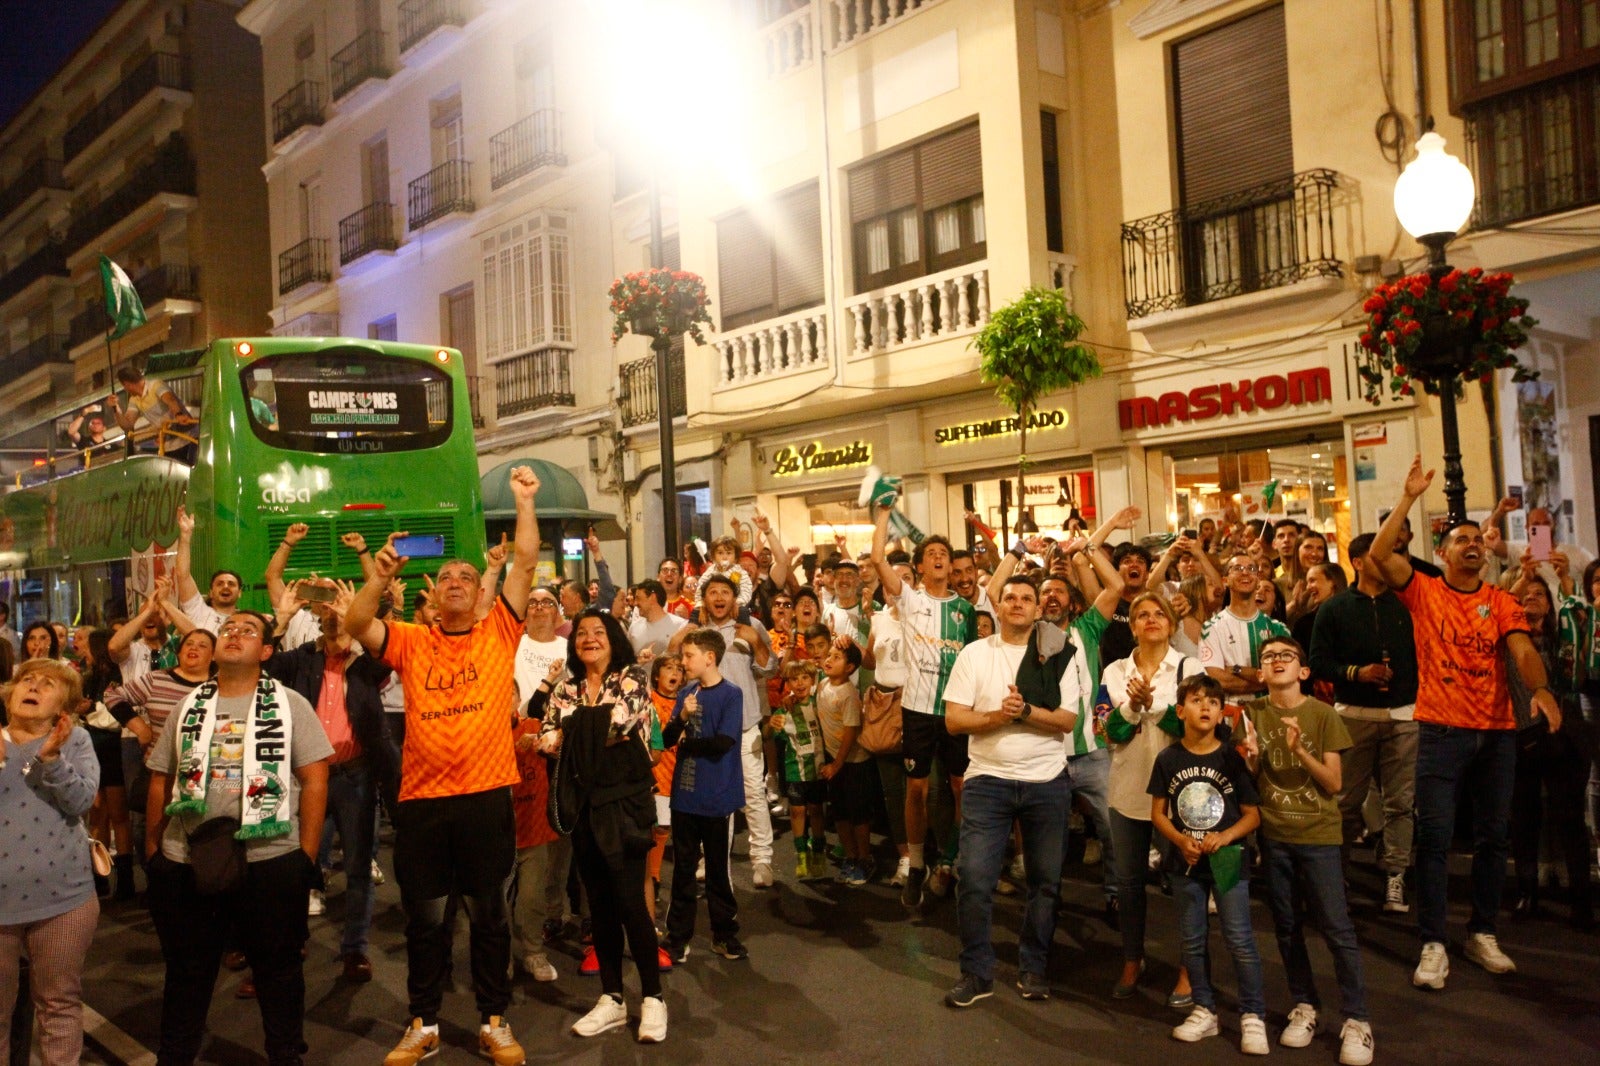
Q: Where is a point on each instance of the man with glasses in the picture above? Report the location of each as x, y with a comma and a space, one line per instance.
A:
670, 574
246, 748
1230, 643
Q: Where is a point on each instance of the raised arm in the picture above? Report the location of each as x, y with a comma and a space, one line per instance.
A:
1108, 576
494, 561
358, 544
183, 577
280, 559
524, 540
128, 632
602, 570
887, 576
1396, 569
361, 619
781, 569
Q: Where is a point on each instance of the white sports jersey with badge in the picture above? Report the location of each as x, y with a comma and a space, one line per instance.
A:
935, 632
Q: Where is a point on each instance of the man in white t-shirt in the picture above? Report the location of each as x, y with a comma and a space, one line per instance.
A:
652, 627
1016, 772
226, 585
539, 647
1230, 642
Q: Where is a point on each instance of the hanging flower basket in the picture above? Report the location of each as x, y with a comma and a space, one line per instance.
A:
659, 303
1461, 325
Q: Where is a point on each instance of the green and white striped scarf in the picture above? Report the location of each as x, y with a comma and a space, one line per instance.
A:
265, 787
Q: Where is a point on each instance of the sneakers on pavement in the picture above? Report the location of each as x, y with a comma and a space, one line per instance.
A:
968, 991
730, 948
1200, 1024
420, 1042
1033, 985
1355, 1043
1253, 1035
1301, 1028
664, 961
762, 875
317, 904
1484, 949
1433, 967
496, 1043
538, 966
608, 1014
911, 890
675, 951
590, 966
652, 1020
941, 881
1394, 894
901, 869
377, 873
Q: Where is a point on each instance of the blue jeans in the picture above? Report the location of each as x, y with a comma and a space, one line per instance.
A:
1194, 927
1319, 869
352, 804
1132, 838
988, 807
1451, 759
1091, 779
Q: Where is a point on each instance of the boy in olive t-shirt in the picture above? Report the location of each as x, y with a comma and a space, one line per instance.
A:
1292, 744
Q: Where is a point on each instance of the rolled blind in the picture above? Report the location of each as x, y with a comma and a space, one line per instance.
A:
1233, 107
797, 240
744, 265
883, 185
952, 167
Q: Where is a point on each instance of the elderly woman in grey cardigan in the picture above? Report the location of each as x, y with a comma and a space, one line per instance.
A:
48, 909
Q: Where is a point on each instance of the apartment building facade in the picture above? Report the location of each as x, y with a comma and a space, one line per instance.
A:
145, 146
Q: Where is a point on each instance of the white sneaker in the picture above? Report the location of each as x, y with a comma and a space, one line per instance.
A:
538, 964
652, 1020
1211, 903
1200, 1024
1301, 1028
940, 881
1019, 870
1484, 949
762, 875
377, 873
901, 870
317, 904
1355, 1043
700, 870
607, 1014
1433, 967
1394, 895
1153, 860
1253, 1035
1092, 851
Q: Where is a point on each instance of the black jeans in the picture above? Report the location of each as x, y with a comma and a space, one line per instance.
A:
690, 832
266, 917
616, 905
466, 844
1552, 776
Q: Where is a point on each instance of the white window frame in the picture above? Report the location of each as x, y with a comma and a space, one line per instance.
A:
526, 288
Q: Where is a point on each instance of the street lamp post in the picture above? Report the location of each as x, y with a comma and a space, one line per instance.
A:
662, 345
1433, 199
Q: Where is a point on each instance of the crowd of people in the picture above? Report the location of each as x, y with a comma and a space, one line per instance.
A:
1243, 702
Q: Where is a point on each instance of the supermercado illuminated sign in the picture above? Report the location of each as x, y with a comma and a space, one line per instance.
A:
1269, 393
1054, 418
812, 457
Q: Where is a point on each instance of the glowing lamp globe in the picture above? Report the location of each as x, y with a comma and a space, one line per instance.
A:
1434, 193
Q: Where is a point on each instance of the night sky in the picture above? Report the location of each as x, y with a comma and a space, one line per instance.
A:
36, 37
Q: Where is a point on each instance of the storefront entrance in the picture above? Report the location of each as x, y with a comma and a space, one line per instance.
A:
1301, 475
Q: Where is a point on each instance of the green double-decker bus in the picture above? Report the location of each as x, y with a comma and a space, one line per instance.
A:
343, 435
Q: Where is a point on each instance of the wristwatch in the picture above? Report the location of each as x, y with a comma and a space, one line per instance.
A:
1027, 710
1238, 669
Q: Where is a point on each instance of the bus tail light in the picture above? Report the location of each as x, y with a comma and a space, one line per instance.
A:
442, 355
246, 349
365, 507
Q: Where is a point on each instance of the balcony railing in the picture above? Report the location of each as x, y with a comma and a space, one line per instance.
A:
1536, 150
172, 171
474, 400
773, 348
789, 43
418, 18
169, 281
301, 106
854, 19
159, 70
536, 379
48, 260
51, 348
531, 142
370, 229
303, 264
1272, 235
88, 324
42, 173
636, 388
923, 309
356, 62
445, 189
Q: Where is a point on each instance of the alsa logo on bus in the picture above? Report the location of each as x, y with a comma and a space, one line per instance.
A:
1203, 402
335, 407
290, 484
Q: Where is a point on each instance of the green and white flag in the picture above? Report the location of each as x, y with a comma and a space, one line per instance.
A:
122, 299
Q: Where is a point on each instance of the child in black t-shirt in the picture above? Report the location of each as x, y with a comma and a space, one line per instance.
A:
1205, 802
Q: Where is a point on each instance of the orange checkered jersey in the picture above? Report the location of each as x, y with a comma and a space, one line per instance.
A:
1460, 636
459, 691
669, 758
530, 795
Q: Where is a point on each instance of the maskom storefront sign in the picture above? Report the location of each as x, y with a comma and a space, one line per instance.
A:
1055, 418
812, 458
1271, 392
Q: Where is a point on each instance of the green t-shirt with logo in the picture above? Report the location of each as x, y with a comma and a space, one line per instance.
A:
1294, 808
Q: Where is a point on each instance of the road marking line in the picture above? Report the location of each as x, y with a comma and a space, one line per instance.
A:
117, 1043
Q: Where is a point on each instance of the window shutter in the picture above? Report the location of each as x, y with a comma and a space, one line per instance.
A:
1233, 107
744, 265
1050, 150
883, 185
952, 167
797, 238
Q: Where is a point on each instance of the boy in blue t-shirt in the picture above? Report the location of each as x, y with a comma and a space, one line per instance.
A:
707, 787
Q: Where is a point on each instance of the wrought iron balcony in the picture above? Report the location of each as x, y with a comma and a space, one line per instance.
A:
526, 145
418, 18
1272, 235
51, 348
42, 173
361, 59
1536, 150
445, 189
48, 260
474, 383
169, 281
171, 171
636, 387
296, 109
303, 264
370, 229
533, 380
88, 324
159, 70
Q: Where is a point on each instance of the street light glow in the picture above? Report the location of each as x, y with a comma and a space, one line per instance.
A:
1434, 193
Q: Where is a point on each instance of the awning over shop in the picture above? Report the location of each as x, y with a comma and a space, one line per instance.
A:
561, 498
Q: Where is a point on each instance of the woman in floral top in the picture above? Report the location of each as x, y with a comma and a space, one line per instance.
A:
602, 724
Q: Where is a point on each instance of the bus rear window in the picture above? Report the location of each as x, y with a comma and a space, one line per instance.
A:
328, 401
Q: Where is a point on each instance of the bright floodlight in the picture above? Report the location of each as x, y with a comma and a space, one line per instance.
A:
671, 72
1434, 193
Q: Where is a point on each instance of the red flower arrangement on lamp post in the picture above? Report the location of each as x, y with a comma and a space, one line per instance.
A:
658, 304
1437, 327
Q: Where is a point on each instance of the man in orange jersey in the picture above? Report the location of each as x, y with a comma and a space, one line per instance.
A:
454, 826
